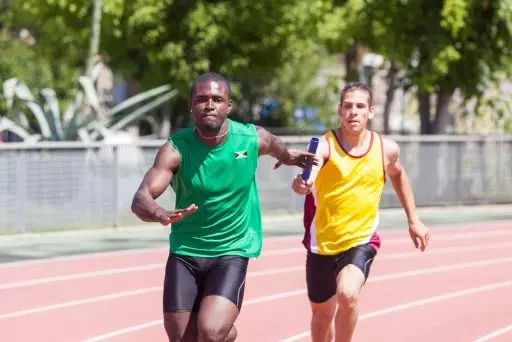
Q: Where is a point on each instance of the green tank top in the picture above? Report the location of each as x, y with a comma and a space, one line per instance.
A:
221, 181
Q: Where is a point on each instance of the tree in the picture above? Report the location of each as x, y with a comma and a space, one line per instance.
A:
171, 41
310, 82
441, 45
18, 59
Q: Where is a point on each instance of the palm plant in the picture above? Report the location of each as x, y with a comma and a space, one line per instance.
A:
80, 121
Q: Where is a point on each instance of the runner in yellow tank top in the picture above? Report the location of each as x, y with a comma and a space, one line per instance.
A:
341, 213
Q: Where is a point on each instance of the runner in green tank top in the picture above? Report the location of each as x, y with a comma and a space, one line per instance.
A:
216, 227
220, 180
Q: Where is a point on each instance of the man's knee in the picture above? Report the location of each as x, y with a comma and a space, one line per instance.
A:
232, 335
323, 316
180, 327
348, 298
349, 287
212, 332
324, 312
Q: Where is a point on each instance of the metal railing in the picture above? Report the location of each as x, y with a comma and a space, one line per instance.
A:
54, 186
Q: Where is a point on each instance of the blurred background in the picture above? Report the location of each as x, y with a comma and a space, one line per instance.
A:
91, 88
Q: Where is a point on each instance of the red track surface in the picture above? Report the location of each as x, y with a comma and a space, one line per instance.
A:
458, 290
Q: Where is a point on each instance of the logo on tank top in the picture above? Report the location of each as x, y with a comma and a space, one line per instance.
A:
241, 154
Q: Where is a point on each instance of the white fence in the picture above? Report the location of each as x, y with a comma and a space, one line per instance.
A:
52, 186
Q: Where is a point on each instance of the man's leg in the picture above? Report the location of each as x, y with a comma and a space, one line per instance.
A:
181, 326
216, 318
322, 329
222, 301
321, 282
350, 283
181, 298
355, 267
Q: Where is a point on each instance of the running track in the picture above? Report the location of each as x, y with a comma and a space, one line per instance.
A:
458, 290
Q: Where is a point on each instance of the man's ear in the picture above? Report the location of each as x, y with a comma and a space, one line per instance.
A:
371, 113
230, 105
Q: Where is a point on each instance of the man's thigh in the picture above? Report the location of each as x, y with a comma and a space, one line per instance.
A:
225, 277
320, 277
182, 284
222, 297
360, 256
181, 297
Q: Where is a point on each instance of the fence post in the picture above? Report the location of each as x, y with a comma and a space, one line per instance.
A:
21, 193
460, 149
115, 184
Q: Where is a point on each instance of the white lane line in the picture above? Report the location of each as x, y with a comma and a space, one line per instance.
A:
458, 236
75, 276
140, 268
125, 331
80, 302
136, 251
461, 266
144, 291
275, 271
257, 300
158, 322
494, 334
85, 256
446, 250
416, 303
438, 234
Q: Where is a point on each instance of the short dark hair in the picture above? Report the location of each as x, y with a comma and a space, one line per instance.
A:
209, 77
357, 86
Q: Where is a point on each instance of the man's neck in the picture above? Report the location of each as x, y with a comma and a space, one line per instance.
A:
213, 138
353, 140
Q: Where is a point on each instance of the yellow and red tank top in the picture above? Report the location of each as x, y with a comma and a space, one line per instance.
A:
342, 211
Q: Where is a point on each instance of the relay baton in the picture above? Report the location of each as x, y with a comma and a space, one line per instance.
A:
313, 145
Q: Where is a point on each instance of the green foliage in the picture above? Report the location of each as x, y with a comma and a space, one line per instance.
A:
310, 81
18, 59
439, 45
436, 41
172, 41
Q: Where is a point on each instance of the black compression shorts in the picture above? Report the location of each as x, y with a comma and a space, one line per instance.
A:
189, 279
322, 270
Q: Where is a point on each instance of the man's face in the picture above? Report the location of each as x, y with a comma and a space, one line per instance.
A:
210, 105
355, 110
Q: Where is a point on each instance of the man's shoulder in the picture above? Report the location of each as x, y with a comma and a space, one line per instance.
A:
181, 134
388, 142
243, 128
390, 147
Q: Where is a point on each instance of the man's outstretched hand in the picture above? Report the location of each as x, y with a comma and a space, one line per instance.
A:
298, 158
170, 216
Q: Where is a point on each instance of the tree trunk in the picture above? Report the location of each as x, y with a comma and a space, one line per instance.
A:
390, 95
351, 63
443, 116
95, 35
424, 104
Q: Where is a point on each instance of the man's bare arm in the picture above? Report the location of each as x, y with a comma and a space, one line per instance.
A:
154, 184
399, 178
269, 144
400, 181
